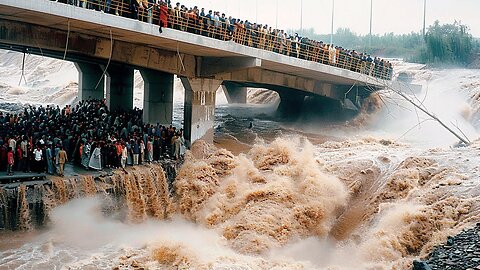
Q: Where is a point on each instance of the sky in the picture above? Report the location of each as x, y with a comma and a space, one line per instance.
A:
397, 16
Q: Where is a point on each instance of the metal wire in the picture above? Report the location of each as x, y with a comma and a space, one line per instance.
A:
108, 63
68, 37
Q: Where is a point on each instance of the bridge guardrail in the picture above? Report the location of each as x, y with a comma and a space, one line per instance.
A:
266, 39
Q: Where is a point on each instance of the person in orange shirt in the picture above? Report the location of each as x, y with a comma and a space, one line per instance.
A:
119, 149
192, 18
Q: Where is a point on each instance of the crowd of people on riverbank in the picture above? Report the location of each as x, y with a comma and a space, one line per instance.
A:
42, 139
217, 25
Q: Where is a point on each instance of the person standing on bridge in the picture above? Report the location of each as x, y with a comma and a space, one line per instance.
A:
134, 4
163, 20
177, 16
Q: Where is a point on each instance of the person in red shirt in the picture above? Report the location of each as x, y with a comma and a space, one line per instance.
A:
10, 161
163, 16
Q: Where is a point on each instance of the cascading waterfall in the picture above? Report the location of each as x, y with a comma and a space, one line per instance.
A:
145, 192
362, 200
24, 217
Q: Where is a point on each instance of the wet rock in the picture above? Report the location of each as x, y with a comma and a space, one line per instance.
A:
421, 266
450, 241
460, 252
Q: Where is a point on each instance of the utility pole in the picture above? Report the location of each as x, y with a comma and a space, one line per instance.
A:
256, 11
333, 14
424, 16
371, 16
276, 18
301, 16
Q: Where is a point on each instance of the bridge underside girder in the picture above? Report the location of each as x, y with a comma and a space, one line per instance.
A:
260, 78
201, 76
94, 49
100, 49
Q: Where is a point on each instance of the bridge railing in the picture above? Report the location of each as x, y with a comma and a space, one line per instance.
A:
261, 38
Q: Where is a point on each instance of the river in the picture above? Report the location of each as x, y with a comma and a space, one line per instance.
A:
373, 193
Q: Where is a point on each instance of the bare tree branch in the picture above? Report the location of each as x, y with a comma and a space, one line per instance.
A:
408, 131
462, 137
465, 140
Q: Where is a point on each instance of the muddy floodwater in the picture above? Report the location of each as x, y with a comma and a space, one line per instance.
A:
374, 193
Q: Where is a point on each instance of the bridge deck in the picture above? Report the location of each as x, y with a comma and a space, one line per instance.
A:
75, 19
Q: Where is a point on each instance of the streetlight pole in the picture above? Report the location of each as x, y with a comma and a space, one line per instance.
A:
301, 16
333, 14
424, 16
276, 17
371, 16
256, 11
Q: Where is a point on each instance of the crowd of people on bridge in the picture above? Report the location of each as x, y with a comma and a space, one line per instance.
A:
43, 139
217, 25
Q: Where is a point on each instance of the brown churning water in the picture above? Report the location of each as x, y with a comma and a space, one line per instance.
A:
294, 202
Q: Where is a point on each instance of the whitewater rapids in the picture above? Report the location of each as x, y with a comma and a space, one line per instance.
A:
365, 195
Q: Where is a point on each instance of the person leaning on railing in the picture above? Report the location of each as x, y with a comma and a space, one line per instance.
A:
163, 15
192, 20
225, 24
246, 33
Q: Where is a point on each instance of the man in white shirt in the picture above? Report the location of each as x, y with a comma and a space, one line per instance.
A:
38, 159
12, 143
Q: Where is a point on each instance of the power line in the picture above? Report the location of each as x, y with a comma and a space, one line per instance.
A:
333, 15
301, 15
424, 16
256, 11
371, 20
276, 17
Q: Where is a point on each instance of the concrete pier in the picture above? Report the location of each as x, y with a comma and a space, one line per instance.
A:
199, 108
235, 93
158, 97
291, 102
67, 32
91, 81
119, 87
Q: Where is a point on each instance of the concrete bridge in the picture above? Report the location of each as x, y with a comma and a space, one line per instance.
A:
107, 48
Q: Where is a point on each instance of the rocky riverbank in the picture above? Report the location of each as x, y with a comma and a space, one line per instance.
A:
460, 252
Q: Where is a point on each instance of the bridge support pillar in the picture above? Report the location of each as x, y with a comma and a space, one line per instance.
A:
199, 108
120, 87
235, 93
291, 103
158, 97
89, 75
